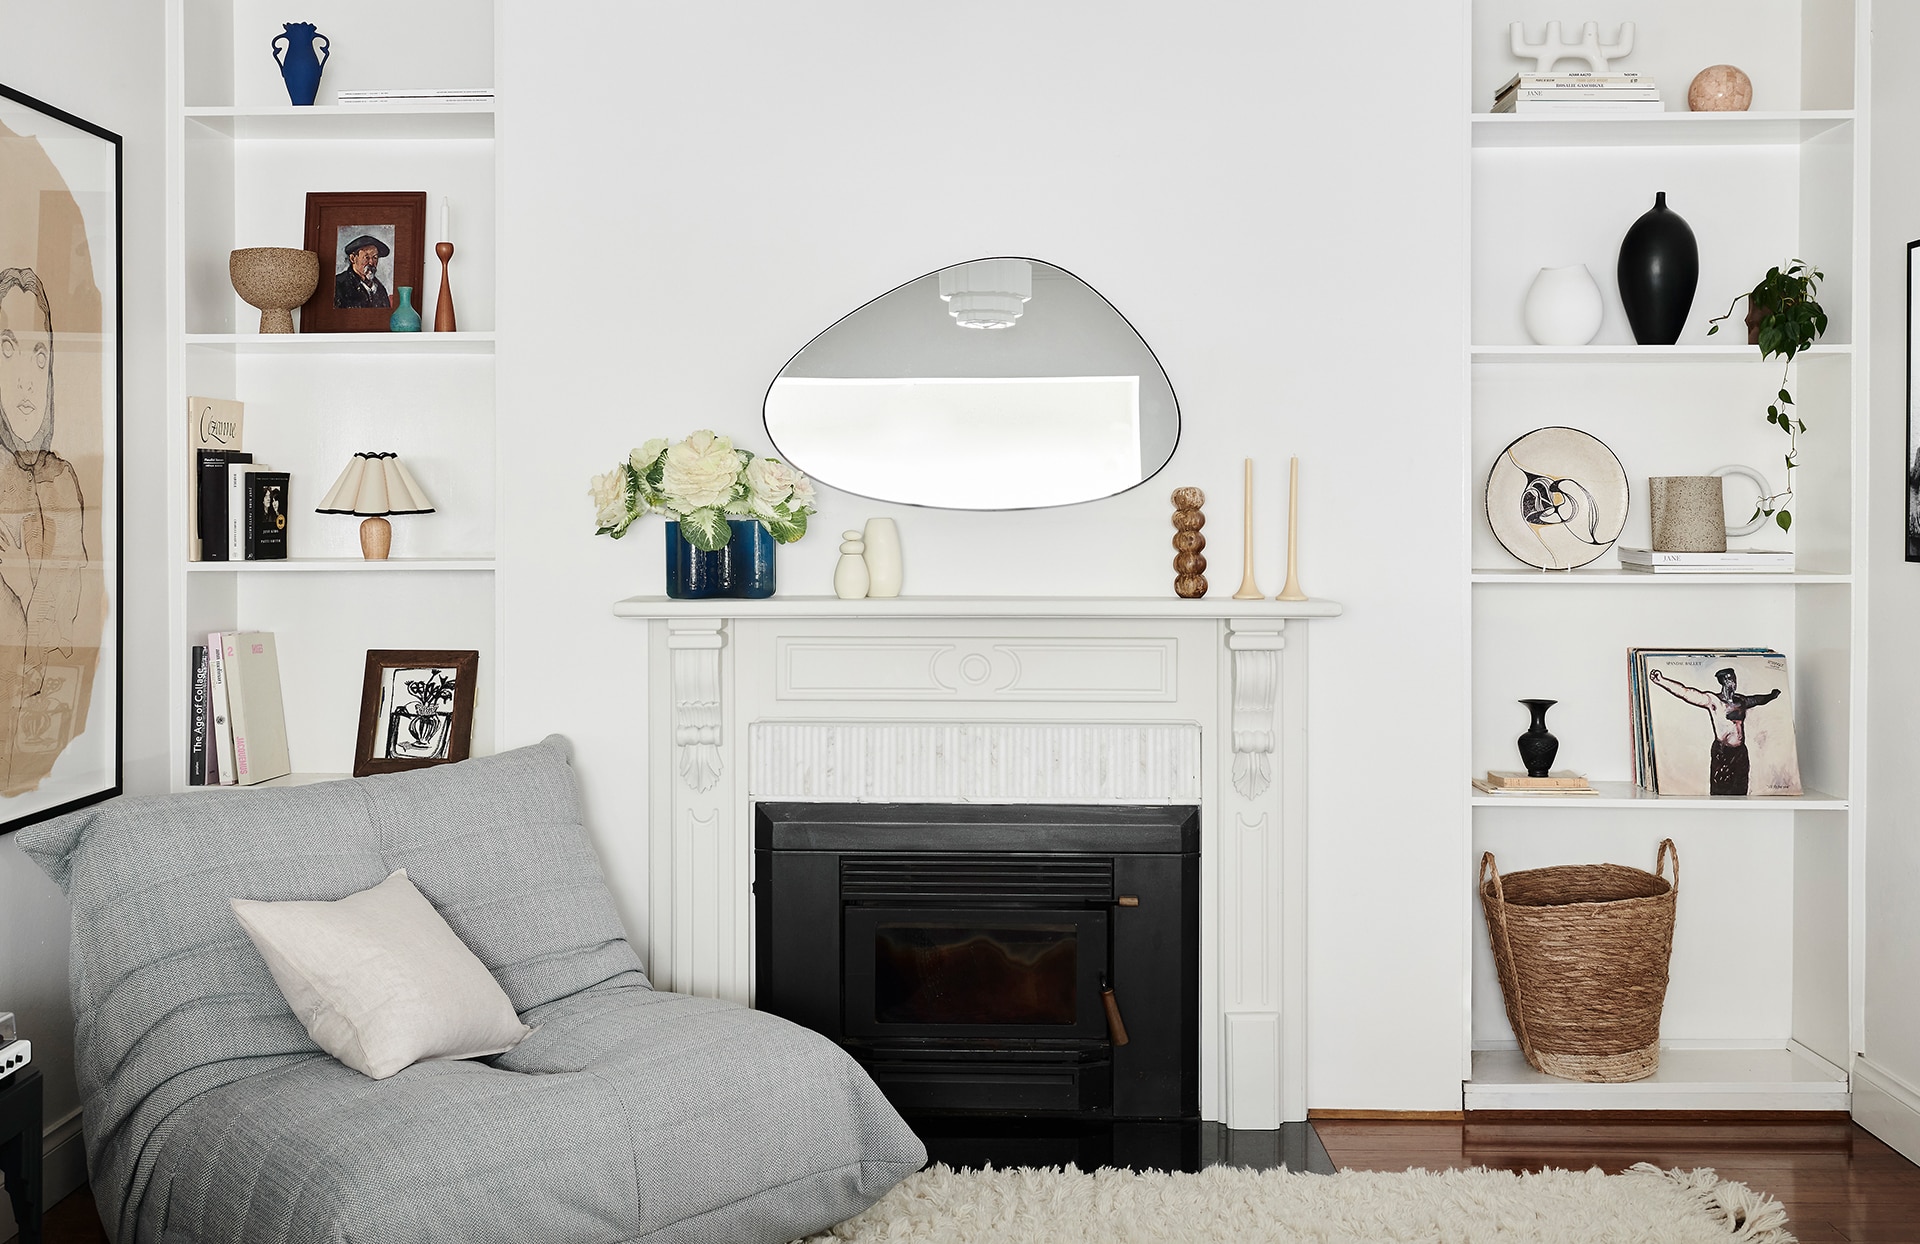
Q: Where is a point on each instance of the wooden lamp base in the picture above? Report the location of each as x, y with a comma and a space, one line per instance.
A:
376, 539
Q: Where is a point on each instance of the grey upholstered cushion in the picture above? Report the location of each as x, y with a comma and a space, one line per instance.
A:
187, 1049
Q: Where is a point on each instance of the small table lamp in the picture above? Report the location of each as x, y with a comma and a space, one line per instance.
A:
374, 486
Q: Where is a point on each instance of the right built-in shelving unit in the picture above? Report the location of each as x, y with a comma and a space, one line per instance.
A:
1763, 1010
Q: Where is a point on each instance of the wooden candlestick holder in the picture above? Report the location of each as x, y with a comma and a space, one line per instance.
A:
1189, 564
443, 321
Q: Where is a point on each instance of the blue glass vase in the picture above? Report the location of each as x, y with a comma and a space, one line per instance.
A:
693, 574
404, 319
750, 559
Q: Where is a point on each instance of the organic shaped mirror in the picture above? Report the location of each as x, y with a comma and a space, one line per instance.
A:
1000, 384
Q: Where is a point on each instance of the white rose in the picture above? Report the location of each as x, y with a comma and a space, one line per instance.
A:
803, 494
773, 481
609, 493
648, 454
700, 472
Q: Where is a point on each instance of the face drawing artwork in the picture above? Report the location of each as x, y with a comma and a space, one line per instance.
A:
26, 362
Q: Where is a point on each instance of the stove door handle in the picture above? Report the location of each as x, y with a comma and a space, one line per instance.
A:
1116, 1027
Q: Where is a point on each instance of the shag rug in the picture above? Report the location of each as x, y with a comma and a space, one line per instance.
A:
1645, 1205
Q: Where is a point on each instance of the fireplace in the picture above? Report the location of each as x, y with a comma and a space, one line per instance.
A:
990, 959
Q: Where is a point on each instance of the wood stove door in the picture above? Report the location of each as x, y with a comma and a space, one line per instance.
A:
975, 974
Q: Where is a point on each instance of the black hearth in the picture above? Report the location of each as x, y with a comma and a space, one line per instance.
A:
998, 959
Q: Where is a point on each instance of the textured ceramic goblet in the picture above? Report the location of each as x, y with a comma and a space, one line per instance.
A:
275, 279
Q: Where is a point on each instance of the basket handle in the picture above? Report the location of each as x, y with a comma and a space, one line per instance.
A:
1519, 1011
1668, 851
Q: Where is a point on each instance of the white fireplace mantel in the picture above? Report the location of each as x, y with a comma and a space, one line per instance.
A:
1003, 700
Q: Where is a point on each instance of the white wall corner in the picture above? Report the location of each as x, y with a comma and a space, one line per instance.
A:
1887, 1106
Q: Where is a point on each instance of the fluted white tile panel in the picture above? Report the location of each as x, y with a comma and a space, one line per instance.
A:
1118, 762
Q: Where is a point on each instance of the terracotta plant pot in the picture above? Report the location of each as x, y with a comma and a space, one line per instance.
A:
276, 279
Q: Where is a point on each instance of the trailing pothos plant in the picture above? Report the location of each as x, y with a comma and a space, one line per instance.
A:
701, 482
1785, 317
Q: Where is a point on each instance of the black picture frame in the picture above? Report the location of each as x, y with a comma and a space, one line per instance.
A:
62, 745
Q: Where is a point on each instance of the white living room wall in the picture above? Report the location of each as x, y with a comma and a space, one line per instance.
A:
103, 60
692, 191
1887, 1077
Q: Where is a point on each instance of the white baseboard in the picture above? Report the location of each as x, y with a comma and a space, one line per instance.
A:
1887, 1106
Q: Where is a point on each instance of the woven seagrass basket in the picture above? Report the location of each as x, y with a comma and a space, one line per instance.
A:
1582, 951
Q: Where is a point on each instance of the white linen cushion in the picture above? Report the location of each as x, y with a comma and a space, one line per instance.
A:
379, 980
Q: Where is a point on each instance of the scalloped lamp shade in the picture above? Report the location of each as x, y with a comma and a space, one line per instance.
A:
374, 486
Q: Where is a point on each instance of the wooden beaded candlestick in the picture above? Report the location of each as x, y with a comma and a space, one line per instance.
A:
1189, 563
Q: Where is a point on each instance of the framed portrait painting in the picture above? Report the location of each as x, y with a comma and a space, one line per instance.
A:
416, 709
60, 525
369, 246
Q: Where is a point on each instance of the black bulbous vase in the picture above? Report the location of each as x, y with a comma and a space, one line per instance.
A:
1658, 271
1538, 747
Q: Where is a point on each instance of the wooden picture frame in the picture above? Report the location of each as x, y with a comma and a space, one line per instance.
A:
61, 403
395, 734
395, 223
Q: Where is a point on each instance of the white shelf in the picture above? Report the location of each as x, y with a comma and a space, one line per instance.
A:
1782, 1078
354, 121
1623, 352
291, 779
343, 343
1616, 796
974, 607
343, 565
1655, 129
1640, 578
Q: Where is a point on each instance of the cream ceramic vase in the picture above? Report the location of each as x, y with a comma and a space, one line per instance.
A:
1563, 307
882, 539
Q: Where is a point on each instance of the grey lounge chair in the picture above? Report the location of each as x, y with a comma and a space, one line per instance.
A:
627, 1115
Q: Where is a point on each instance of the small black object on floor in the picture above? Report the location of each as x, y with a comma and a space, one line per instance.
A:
1134, 1145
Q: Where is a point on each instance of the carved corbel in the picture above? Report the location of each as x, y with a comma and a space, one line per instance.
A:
695, 647
1256, 686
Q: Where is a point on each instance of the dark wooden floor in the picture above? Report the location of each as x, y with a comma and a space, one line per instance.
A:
1838, 1183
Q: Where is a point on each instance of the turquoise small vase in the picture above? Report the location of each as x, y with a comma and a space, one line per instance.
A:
405, 318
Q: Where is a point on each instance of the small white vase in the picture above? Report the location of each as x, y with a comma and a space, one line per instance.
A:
850, 575
1563, 307
883, 557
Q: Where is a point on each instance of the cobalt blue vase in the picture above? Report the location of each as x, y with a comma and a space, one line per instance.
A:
750, 559
300, 65
693, 574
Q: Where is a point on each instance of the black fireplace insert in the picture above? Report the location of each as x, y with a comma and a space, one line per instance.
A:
990, 959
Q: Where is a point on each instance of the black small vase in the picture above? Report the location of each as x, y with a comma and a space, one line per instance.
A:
1658, 270
1538, 747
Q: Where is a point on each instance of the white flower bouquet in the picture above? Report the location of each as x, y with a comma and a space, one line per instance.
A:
703, 481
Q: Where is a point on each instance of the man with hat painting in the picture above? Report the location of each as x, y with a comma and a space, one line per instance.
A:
360, 285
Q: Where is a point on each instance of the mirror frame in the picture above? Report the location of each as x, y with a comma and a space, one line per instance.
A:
1180, 424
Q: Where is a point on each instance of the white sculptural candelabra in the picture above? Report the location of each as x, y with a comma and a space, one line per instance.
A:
1554, 47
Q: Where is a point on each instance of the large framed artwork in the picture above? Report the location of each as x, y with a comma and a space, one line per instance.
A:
1913, 446
60, 522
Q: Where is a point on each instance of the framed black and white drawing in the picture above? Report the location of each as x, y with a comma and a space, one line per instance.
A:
60, 525
1913, 446
416, 709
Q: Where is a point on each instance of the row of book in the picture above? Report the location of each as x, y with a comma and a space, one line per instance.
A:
471, 95
237, 724
1733, 561
1584, 94
1715, 721
237, 509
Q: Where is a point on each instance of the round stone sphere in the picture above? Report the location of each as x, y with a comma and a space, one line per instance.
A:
1188, 498
1720, 88
1188, 541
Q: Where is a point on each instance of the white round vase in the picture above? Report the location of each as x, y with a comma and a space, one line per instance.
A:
1563, 307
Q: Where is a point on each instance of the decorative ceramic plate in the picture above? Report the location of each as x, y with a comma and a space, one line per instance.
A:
1557, 498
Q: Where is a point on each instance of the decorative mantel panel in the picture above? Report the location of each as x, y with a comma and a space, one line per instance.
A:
1047, 700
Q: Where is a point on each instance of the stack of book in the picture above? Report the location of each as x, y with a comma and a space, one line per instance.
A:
1558, 782
1733, 561
237, 725
237, 509
1712, 721
476, 95
1582, 94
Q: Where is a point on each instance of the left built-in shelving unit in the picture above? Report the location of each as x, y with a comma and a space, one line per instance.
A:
240, 162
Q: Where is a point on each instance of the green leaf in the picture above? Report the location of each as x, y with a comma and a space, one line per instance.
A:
1786, 398
1757, 512
706, 528
1773, 414
1784, 519
1803, 425
1713, 330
